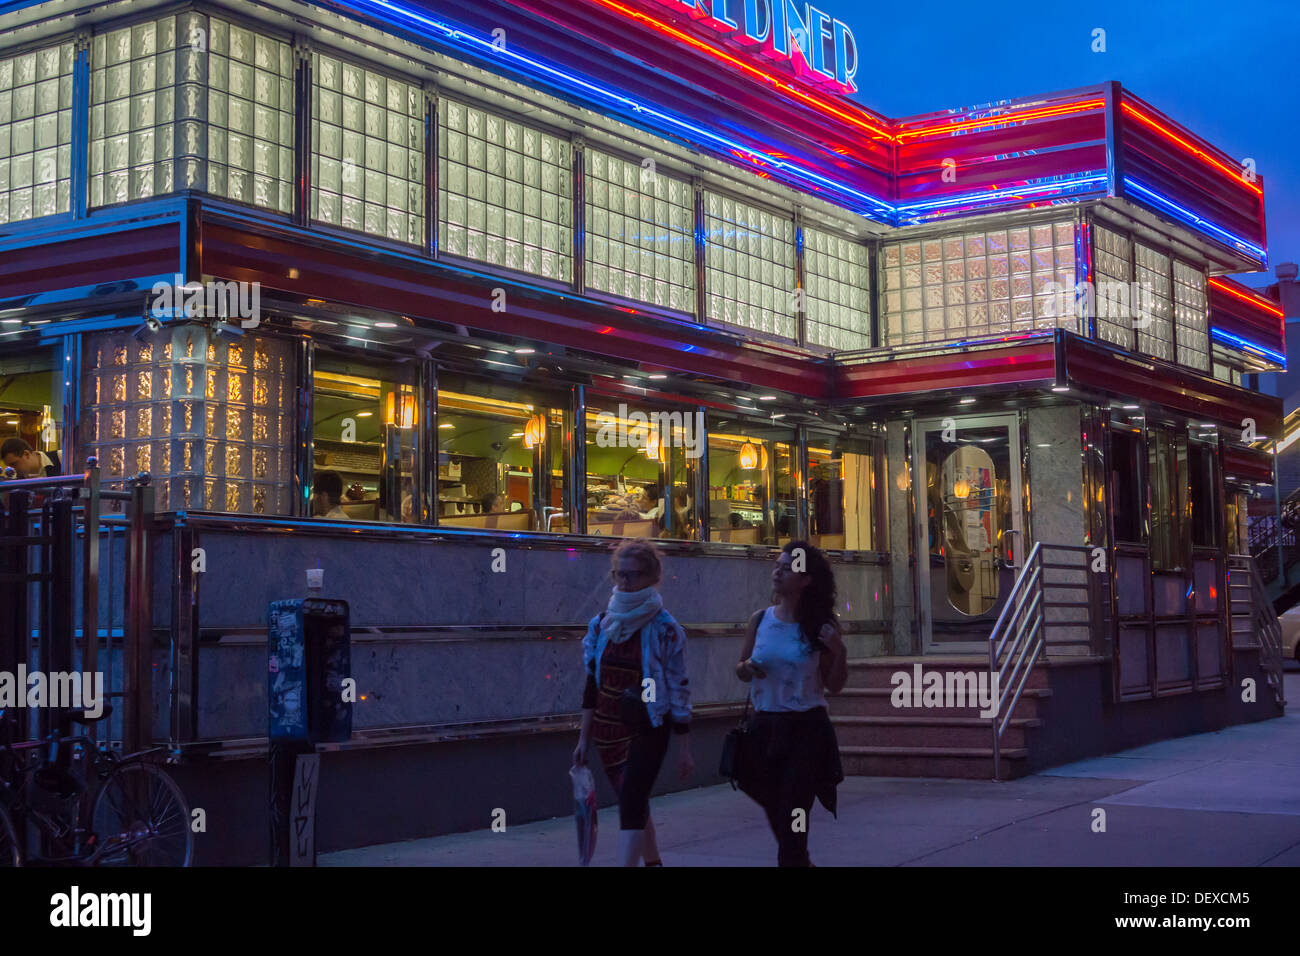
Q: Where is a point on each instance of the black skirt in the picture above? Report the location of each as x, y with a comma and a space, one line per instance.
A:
780, 742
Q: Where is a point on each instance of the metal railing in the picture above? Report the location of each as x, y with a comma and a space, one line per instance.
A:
1020, 638
1258, 611
75, 585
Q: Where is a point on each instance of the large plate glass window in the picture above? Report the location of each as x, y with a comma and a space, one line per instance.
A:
367, 150
31, 405
500, 456
36, 133
837, 291
640, 233
642, 459
364, 432
504, 192
753, 482
750, 264
841, 492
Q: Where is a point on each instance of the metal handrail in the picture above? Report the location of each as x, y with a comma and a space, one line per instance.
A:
1269, 631
1028, 588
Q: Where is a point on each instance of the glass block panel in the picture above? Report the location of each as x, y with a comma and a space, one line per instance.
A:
36, 133
978, 284
150, 408
1113, 270
145, 120
368, 151
250, 99
640, 232
1191, 318
837, 292
505, 192
750, 266
1151, 305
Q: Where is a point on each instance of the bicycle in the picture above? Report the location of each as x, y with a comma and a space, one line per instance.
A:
138, 815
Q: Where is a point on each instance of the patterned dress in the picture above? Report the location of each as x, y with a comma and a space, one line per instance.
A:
620, 668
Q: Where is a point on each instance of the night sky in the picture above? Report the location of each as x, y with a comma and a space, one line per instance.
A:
1226, 71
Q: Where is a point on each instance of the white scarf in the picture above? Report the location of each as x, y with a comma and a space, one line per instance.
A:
628, 612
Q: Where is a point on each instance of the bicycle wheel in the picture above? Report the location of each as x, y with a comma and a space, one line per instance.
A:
9, 855
140, 818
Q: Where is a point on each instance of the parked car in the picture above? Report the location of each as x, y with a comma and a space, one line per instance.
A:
1290, 621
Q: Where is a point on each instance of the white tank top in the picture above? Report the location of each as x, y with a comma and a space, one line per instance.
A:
794, 678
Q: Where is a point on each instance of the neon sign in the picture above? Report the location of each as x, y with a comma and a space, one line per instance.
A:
813, 44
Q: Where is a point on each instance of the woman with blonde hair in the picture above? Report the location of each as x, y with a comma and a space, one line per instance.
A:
636, 692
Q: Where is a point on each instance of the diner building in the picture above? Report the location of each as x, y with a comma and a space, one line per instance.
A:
443, 298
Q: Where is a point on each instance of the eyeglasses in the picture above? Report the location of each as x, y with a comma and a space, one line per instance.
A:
628, 575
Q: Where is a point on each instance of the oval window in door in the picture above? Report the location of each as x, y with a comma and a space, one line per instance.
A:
971, 529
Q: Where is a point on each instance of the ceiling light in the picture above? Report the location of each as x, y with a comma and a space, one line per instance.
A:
364, 414
1060, 388
516, 434
385, 325
12, 321
524, 351
767, 398
658, 375
968, 401
446, 425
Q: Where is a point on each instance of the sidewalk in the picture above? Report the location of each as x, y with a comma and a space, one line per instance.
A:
1230, 798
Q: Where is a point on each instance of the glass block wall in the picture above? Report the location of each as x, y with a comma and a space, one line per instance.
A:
191, 102
978, 283
250, 117
1191, 318
505, 192
1113, 278
1151, 304
36, 133
136, 76
368, 150
749, 266
640, 233
211, 420
836, 291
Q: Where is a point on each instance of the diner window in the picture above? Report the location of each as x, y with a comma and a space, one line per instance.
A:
1152, 304
501, 461
841, 492
36, 133
750, 266
1113, 266
367, 150
1203, 476
250, 117
134, 110
642, 462
980, 283
640, 233
31, 409
1235, 515
364, 428
753, 482
837, 297
1127, 486
1167, 461
505, 192
1191, 318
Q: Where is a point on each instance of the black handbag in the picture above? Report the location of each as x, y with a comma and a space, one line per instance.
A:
633, 712
731, 763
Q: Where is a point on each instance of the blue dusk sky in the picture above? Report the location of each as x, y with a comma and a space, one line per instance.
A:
1226, 71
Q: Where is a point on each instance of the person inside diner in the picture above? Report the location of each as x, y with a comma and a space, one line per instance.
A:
492, 503
327, 496
27, 461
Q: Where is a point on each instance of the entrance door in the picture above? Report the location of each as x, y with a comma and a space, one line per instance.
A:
969, 543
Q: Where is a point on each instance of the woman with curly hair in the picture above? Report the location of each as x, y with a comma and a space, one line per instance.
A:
635, 657
794, 653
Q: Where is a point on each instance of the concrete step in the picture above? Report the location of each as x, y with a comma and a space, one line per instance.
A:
881, 671
969, 763
876, 702
930, 732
